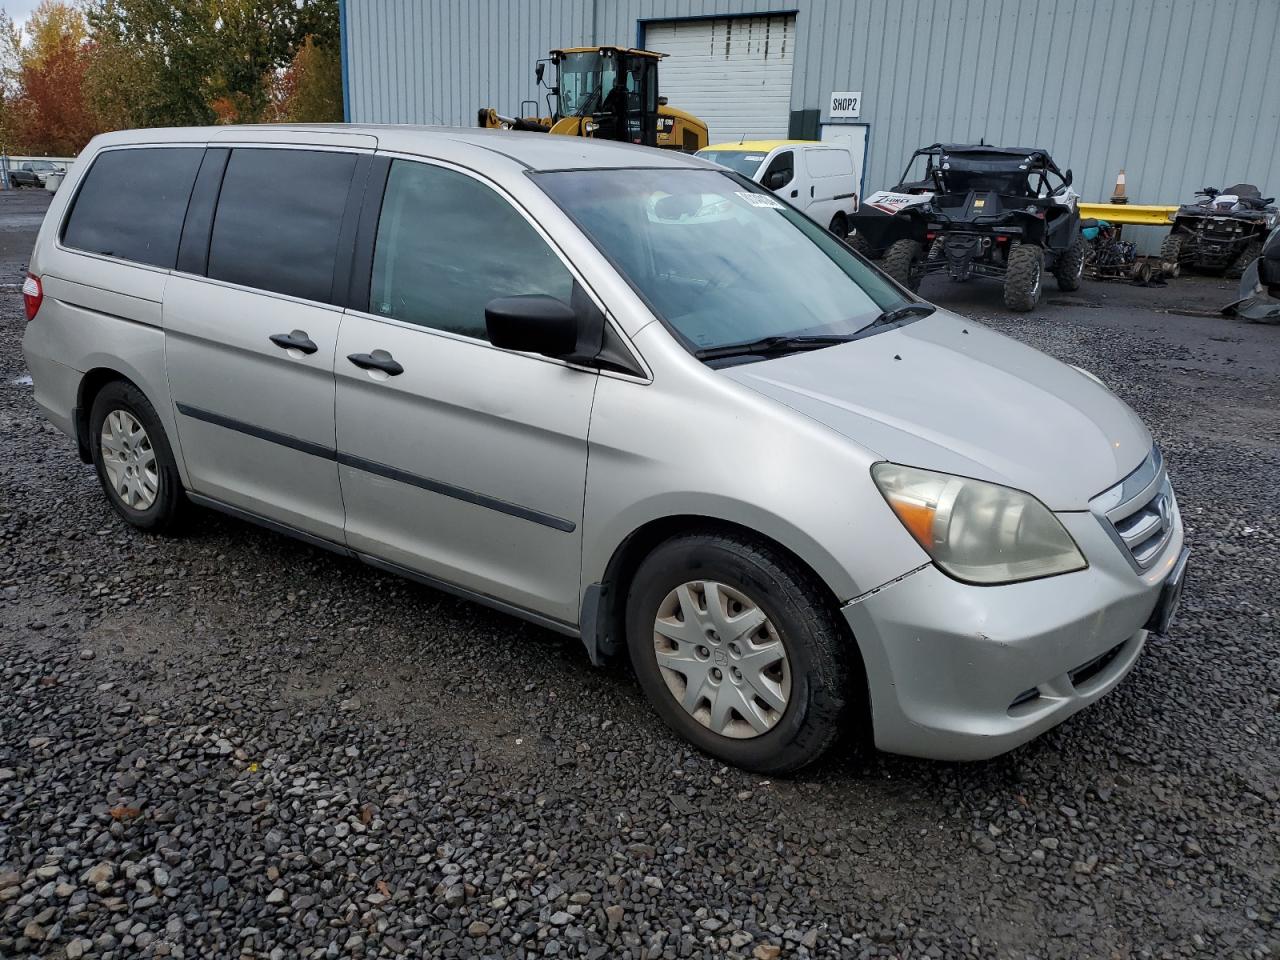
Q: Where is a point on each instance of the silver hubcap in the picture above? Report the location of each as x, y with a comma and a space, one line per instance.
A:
722, 659
129, 460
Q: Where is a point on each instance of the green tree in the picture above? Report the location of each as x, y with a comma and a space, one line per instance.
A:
310, 91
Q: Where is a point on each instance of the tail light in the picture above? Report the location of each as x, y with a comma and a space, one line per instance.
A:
32, 295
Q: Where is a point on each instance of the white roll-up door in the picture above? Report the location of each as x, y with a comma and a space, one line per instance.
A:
733, 72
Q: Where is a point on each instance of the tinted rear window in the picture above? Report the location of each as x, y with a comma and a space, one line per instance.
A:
132, 203
278, 218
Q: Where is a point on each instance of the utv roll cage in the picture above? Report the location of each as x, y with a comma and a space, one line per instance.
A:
961, 167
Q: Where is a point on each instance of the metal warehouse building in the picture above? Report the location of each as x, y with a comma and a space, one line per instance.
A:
1179, 93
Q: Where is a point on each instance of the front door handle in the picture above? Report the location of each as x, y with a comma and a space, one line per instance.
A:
298, 340
378, 360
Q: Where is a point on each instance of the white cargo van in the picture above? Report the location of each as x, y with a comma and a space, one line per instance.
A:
816, 177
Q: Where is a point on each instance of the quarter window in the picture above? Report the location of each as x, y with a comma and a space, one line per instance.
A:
447, 245
132, 204
278, 218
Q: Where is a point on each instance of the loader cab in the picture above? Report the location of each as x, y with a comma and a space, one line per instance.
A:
616, 88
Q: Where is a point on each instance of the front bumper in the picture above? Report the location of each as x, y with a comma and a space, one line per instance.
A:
961, 672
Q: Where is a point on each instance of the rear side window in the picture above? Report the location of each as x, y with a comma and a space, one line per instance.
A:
278, 217
828, 163
132, 204
447, 245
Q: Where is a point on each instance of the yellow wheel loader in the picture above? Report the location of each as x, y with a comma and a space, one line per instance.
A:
610, 93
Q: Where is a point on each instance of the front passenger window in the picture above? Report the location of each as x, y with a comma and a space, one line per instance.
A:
447, 245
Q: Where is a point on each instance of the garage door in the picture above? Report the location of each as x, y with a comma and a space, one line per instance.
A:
734, 73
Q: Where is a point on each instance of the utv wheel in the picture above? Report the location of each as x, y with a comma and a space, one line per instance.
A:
1069, 269
1241, 263
1024, 277
738, 651
1173, 252
839, 225
133, 459
904, 261
860, 245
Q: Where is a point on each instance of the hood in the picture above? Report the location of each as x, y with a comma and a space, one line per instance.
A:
951, 395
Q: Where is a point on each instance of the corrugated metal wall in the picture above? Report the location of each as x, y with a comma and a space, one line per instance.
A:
1178, 92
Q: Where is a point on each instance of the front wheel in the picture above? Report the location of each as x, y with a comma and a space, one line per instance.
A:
1241, 263
1173, 252
738, 651
133, 459
839, 225
1024, 277
904, 261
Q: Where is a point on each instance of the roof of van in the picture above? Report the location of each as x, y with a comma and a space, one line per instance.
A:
759, 146
535, 151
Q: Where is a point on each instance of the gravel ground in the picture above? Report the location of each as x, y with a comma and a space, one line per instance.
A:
234, 745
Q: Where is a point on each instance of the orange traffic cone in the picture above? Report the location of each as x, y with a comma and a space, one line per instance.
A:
1118, 195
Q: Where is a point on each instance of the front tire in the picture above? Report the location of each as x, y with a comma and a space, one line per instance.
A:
133, 459
739, 651
1241, 263
1024, 277
904, 261
860, 245
1173, 252
839, 226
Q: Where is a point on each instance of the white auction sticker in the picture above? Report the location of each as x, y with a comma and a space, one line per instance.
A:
760, 199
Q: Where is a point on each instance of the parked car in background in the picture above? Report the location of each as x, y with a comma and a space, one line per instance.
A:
623, 394
816, 177
41, 168
20, 178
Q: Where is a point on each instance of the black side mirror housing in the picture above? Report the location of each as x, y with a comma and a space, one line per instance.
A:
532, 323
777, 180
1066, 178
538, 72
662, 101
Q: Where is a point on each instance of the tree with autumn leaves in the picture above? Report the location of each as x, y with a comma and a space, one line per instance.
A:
74, 70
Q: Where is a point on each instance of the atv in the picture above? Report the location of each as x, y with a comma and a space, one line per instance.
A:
1006, 213
1223, 231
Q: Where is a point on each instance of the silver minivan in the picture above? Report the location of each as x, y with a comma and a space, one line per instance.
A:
626, 394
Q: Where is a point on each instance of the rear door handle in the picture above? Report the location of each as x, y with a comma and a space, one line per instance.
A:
298, 340
378, 360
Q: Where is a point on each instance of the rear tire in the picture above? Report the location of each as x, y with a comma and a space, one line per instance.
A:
1241, 263
794, 651
904, 262
839, 226
1069, 270
133, 459
860, 245
1024, 277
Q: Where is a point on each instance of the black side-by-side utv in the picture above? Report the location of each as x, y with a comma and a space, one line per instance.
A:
1223, 230
1007, 213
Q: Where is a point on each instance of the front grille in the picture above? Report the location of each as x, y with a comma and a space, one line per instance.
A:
1140, 511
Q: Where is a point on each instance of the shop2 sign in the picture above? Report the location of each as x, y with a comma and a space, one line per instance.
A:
845, 105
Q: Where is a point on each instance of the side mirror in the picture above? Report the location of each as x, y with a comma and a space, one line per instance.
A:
538, 72
662, 101
776, 180
1066, 178
533, 323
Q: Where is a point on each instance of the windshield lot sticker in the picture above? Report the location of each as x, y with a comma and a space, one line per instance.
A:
760, 200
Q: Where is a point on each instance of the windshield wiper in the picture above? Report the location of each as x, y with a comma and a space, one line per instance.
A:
910, 311
772, 345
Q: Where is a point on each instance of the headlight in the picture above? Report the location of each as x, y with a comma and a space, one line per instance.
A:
975, 531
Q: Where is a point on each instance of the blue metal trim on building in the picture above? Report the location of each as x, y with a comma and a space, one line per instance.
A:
346, 69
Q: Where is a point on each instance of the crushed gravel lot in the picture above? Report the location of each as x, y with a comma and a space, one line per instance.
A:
234, 745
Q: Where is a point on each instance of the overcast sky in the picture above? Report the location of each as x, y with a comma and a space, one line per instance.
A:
18, 9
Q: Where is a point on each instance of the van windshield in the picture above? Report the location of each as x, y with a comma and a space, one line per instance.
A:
721, 261
745, 162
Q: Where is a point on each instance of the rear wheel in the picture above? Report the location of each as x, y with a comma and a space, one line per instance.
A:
860, 244
1024, 277
1241, 263
133, 459
739, 651
1069, 269
839, 225
904, 261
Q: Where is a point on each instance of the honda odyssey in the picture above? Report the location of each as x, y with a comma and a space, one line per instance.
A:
626, 394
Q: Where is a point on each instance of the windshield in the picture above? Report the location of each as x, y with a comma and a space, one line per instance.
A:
721, 262
584, 80
745, 162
